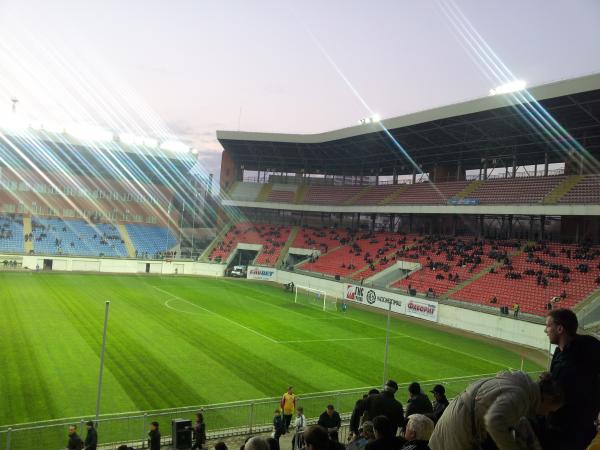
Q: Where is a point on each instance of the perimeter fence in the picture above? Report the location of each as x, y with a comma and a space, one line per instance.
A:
222, 420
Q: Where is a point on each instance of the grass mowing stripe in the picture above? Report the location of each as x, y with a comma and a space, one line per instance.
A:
219, 315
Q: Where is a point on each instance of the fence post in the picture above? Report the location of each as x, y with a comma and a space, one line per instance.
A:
251, 418
8, 439
144, 430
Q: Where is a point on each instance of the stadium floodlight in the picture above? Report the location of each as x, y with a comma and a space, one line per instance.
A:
174, 146
513, 86
89, 132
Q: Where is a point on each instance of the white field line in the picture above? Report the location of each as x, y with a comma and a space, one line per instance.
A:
218, 315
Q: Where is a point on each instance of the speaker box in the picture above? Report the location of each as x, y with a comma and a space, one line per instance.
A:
337, 278
182, 434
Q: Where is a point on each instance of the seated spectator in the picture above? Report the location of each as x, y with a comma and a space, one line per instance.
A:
220, 446
418, 431
494, 407
256, 443
494, 300
418, 402
366, 434
385, 438
317, 438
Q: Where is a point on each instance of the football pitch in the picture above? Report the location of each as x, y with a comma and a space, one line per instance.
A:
178, 341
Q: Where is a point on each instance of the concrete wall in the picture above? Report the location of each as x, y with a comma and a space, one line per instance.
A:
63, 263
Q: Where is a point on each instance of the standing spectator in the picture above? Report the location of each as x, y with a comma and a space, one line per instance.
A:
91, 439
576, 366
299, 426
418, 431
330, 419
440, 403
75, 442
359, 411
385, 404
486, 412
418, 402
278, 425
288, 406
385, 438
516, 309
595, 445
199, 432
154, 437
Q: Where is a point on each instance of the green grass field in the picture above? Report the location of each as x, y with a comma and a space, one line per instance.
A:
190, 341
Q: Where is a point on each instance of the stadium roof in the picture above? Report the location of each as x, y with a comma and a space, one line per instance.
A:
495, 127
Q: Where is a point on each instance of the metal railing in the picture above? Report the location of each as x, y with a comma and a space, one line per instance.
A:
222, 420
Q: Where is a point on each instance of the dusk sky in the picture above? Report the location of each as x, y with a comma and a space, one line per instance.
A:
196, 63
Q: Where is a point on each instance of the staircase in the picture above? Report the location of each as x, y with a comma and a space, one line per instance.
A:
128, 244
354, 199
264, 192
28, 245
554, 196
287, 245
301, 193
218, 238
471, 187
232, 187
394, 195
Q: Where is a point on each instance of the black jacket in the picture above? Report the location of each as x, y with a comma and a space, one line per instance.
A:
75, 442
327, 421
384, 404
577, 369
439, 406
419, 405
200, 433
394, 443
416, 445
91, 439
154, 440
357, 412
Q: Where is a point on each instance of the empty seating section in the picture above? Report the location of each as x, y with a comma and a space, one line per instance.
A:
282, 193
357, 252
429, 193
246, 191
516, 190
331, 195
75, 237
11, 233
150, 240
445, 263
378, 194
533, 279
271, 237
527, 190
586, 191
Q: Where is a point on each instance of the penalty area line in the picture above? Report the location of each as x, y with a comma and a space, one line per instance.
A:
227, 319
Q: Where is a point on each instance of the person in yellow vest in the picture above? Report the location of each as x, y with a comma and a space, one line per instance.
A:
288, 406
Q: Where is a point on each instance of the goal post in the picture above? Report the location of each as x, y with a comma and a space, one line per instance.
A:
314, 297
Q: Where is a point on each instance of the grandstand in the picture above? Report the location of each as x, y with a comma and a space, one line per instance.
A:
483, 204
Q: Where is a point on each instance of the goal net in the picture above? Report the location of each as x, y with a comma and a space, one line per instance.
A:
315, 298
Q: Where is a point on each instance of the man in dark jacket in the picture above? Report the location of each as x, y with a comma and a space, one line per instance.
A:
91, 439
418, 402
331, 420
358, 411
75, 442
154, 437
439, 404
384, 404
385, 438
576, 367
